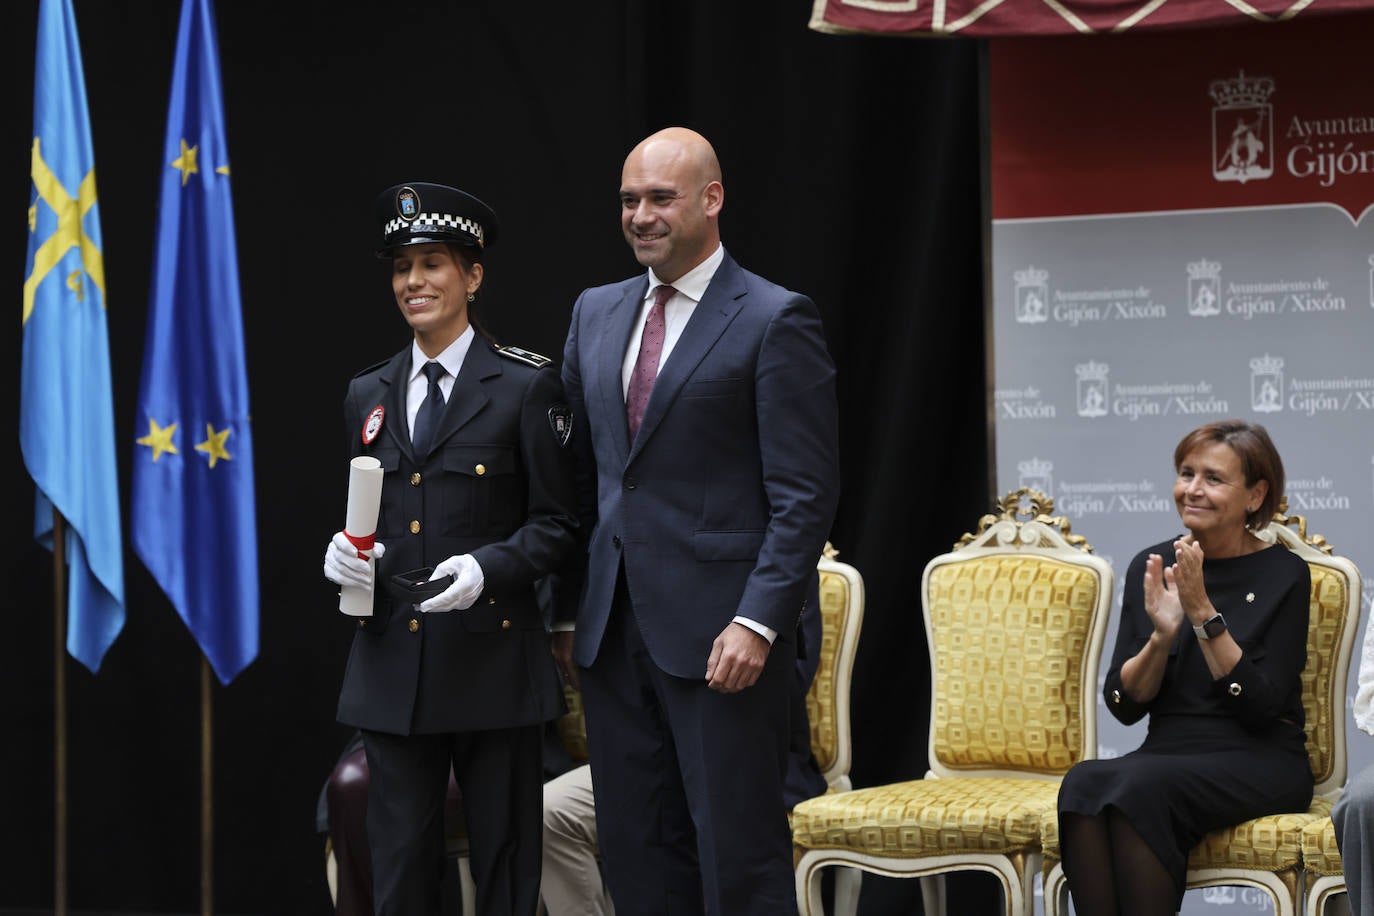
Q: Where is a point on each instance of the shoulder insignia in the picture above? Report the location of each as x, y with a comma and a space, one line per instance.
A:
528, 357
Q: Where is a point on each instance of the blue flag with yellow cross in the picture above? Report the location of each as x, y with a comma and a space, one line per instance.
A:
66, 412
193, 517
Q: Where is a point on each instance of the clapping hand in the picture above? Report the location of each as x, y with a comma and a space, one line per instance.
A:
1162, 603
1185, 577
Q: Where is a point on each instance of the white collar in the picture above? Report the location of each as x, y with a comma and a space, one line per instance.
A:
693, 283
451, 358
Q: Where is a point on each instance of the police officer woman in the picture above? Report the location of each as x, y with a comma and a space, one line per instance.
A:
454, 666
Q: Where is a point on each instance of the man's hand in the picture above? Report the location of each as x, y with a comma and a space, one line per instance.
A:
737, 658
462, 594
562, 657
343, 565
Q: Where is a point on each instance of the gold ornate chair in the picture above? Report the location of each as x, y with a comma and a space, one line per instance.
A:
1267, 853
1015, 618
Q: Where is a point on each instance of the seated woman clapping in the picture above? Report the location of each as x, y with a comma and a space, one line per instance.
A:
1211, 646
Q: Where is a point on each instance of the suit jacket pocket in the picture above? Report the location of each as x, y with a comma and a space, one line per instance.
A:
741, 544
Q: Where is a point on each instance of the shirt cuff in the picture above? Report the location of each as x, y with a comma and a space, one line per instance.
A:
566, 626
767, 633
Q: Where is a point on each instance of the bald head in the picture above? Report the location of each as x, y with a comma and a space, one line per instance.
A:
670, 198
681, 144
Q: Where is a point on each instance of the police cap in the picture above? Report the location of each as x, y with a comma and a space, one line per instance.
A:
419, 212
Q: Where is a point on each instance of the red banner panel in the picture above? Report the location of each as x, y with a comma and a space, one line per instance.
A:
1244, 117
997, 18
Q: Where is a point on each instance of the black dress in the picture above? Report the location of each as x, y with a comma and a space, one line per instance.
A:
1217, 752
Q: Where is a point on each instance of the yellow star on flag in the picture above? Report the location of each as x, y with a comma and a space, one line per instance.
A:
214, 444
186, 162
159, 439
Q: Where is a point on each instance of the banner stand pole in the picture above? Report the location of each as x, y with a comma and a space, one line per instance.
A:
59, 713
207, 795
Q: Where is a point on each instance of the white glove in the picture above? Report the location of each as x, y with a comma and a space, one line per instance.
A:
344, 566
467, 585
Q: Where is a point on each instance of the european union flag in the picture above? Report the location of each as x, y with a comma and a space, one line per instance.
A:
194, 524
66, 413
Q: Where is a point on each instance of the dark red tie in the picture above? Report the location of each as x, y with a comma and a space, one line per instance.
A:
646, 364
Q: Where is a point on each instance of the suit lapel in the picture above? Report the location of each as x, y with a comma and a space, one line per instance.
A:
610, 390
467, 396
723, 299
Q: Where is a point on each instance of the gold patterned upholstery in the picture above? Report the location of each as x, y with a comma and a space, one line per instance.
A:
827, 702
1267, 852
911, 819
1015, 618
1320, 854
1321, 861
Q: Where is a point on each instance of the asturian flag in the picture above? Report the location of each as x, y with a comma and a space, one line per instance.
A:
194, 524
66, 412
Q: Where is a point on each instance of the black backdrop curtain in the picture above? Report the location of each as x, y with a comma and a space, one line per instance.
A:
852, 170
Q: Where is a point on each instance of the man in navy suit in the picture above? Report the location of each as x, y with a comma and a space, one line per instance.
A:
708, 455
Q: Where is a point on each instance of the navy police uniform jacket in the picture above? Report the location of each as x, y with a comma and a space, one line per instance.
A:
497, 485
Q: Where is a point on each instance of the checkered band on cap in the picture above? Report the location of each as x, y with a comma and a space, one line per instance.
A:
420, 212
420, 223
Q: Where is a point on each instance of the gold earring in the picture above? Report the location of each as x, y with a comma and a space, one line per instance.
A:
471, 297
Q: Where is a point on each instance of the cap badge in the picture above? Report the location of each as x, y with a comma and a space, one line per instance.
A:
407, 203
373, 424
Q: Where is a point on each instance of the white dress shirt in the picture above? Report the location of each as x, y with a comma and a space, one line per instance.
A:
417, 388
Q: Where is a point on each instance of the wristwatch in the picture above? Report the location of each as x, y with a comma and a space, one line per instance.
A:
1212, 627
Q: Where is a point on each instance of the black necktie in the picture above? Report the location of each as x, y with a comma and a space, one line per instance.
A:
431, 410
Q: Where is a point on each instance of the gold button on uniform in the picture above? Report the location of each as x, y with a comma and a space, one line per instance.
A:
415, 479
1116, 696
505, 624
414, 625
480, 469
491, 601
414, 527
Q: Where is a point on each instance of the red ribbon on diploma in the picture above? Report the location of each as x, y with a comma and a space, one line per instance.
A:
362, 543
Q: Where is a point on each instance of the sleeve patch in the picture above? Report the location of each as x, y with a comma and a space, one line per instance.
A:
561, 422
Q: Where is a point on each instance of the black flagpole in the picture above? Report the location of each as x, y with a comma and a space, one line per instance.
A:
59, 600
207, 795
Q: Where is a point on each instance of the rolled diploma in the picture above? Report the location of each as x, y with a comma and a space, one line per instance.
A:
360, 521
